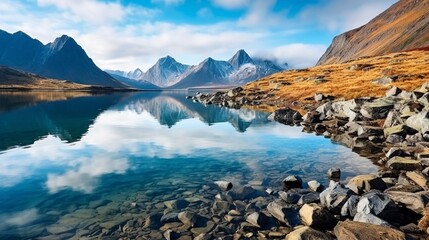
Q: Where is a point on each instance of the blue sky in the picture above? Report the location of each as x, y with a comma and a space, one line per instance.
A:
126, 34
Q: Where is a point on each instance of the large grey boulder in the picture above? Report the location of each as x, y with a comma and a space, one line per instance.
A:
350, 207
394, 91
346, 109
352, 230
283, 214
370, 218
293, 195
286, 116
334, 197
419, 121
334, 173
401, 163
393, 118
316, 216
378, 204
413, 201
292, 181
366, 183
377, 109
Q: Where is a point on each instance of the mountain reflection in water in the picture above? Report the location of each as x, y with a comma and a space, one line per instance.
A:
64, 156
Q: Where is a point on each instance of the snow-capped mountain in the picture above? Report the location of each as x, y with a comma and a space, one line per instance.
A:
240, 69
240, 58
208, 73
135, 74
166, 72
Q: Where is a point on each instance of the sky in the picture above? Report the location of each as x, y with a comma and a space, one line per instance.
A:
129, 34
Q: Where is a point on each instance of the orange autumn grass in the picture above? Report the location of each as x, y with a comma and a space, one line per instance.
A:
346, 80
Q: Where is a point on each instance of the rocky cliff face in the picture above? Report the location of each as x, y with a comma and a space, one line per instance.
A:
401, 27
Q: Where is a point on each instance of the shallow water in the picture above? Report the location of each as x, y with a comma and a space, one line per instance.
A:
69, 164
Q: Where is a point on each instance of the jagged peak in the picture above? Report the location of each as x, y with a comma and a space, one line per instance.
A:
208, 60
60, 42
21, 34
166, 60
240, 58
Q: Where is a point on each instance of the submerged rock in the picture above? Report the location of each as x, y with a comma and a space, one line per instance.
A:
224, 185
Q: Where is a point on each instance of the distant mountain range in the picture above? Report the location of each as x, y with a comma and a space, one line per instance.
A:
62, 59
168, 73
403, 26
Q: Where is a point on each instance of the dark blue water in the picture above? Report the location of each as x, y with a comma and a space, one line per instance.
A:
73, 164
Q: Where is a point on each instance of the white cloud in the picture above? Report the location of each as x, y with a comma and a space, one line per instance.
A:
18, 218
297, 55
231, 4
169, 2
260, 13
91, 11
85, 177
344, 15
118, 36
187, 43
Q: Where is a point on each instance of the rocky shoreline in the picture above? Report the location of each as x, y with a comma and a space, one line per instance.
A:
392, 131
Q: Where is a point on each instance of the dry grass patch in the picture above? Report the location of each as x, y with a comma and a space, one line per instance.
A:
348, 80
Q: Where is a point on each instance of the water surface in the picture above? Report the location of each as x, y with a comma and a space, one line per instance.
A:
69, 164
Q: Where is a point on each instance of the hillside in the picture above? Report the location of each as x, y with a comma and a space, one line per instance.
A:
14, 79
370, 76
403, 26
137, 84
61, 59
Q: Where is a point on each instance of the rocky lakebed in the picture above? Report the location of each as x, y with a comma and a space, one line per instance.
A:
392, 131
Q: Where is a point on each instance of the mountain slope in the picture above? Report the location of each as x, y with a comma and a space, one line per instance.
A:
61, 59
138, 84
14, 79
403, 26
239, 59
208, 73
165, 72
241, 68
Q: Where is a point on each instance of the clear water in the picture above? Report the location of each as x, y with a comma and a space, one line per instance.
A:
71, 163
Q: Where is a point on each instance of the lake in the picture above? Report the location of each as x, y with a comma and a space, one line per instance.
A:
76, 165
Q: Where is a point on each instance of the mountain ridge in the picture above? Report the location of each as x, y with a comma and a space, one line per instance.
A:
62, 59
169, 74
403, 26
